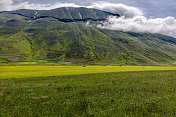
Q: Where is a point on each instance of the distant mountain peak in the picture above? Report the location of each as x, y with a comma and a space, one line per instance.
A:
69, 13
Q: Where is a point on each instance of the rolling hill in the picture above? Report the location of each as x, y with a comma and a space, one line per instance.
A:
70, 34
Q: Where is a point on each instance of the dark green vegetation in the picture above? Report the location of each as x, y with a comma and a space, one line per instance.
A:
64, 34
118, 94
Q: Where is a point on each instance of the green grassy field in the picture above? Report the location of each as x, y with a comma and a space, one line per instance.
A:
129, 92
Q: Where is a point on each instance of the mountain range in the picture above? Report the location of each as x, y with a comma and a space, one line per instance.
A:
72, 35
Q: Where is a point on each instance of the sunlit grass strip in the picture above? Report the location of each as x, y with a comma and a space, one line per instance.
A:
7, 72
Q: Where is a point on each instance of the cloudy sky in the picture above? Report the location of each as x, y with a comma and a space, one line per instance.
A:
145, 16
154, 8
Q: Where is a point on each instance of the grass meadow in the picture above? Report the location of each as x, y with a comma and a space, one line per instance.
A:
91, 91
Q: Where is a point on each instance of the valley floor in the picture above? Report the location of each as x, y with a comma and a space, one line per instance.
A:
127, 93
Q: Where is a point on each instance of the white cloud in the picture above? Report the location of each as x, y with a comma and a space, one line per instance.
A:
5, 4
133, 20
8, 5
27, 5
141, 24
166, 26
121, 9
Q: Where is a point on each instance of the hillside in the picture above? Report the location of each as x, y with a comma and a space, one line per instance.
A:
64, 35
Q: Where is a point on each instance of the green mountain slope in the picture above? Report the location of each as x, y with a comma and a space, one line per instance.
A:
28, 34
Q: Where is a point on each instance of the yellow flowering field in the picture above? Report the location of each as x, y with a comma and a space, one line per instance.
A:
9, 72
